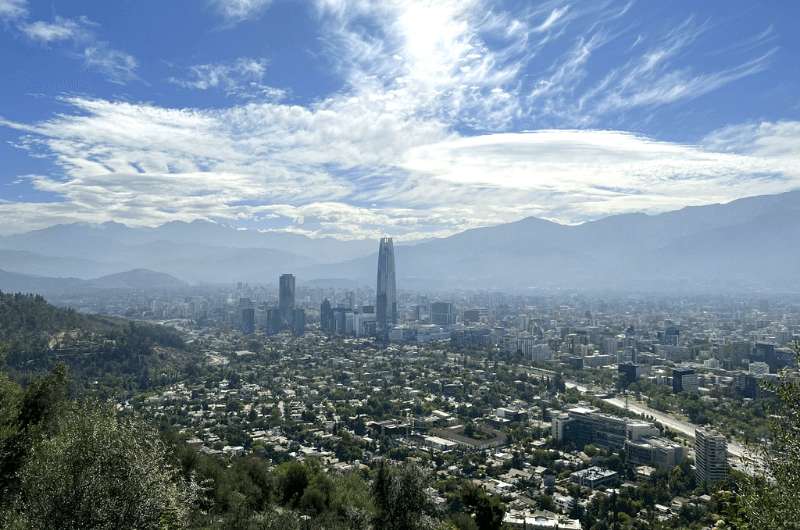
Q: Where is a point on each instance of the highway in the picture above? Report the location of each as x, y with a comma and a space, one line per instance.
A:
681, 426
736, 450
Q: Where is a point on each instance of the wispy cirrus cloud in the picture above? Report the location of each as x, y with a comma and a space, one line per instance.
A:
655, 74
235, 11
60, 29
652, 79
243, 78
79, 35
117, 66
423, 137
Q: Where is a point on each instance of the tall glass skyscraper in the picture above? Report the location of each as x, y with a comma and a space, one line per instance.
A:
286, 298
386, 300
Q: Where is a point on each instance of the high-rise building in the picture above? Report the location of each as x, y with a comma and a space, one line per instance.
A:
326, 321
711, 456
776, 358
248, 320
386, 299
628, 374
298, 322
286, 298
274, 321
671, 336
684, 380
443, 314
340, 320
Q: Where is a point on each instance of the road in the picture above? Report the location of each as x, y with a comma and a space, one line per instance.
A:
735, 449
678, 425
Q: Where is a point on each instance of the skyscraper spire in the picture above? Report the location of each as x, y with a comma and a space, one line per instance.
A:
386, 300
286, 298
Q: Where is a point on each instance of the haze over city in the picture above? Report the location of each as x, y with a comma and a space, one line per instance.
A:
399, 264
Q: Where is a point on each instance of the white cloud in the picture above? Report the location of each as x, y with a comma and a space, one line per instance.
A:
385, 152
60, 29
657, 74
239, 10
779, 140
551, 20
13, 9
80, 35
329, 170
242, 78
431, 58
117, 66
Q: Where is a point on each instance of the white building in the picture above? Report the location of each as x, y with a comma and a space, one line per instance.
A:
711, 456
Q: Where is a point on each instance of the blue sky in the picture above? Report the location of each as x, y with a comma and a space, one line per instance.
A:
408, 118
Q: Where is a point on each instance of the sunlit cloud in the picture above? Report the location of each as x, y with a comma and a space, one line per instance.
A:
422, 139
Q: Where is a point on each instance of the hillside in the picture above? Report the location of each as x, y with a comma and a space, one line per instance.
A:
36, 335
138, 279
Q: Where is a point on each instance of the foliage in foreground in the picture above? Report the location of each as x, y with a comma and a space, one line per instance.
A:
772, 500
77, 465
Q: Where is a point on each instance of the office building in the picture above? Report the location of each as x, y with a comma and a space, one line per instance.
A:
710, 456
529, 347
684, 380
586, 425
593, 477
286, 298
326, 320
472, 337
776, 358
610, 346
747, 385
402, 334
758, 368
655, 451
386, 298
671, 336
248, 320
472, 315
274, 321
628, 373
298, 322
364, 324
443, 314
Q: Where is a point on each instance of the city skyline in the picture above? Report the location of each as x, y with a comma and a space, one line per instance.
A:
583, 311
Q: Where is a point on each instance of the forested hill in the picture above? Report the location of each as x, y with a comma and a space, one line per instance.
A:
36, 335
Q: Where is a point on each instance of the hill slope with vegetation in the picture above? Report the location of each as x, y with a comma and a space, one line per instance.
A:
104, 351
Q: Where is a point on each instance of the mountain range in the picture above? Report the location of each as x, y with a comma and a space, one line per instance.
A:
137, 279
749, 244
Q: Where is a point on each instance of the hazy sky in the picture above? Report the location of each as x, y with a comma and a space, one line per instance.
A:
358, 118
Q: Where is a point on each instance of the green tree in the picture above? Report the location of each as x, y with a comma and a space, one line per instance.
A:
400, 498
488, 510
25, 418
101, 471
294, 479
772, 498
